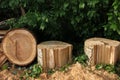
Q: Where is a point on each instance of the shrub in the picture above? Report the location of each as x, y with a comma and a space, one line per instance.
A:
70, 20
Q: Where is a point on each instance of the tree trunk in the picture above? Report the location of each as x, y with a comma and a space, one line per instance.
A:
54, 54
102, 51
19, 45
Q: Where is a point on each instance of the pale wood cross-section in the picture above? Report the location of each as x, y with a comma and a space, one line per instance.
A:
19, 45
54, 54
102, 51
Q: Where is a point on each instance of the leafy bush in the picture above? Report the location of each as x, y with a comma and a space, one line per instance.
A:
70, 20
114, 17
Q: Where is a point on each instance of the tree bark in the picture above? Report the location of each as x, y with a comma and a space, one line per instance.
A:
54, 54
3, 58
102, 51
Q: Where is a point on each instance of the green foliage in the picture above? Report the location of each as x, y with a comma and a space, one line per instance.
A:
81, 59
114, 17
107, 67
51, 71
4, 66
65, 67
67, 20
33, 71
32, 19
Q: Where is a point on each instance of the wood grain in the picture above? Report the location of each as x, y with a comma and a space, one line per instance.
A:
55, 54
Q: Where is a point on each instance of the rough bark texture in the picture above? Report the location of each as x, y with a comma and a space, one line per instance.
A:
2, 34
2, 57
19, 46
100, 50
54, 54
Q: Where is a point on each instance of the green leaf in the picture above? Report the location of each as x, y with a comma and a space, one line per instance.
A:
81, 59
113, 27
99, 66
65, 5
110, 18
46, 20
91, 14
77, 18
5, 66
109, 68
42, 26
34, 71
81, 5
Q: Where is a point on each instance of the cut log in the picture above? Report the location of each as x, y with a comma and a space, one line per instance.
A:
3, 58
19, 46
102, 51
54, 54
2, 34
1, 37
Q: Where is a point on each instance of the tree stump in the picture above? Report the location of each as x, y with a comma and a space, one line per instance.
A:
54, 54
19, 45
102, 51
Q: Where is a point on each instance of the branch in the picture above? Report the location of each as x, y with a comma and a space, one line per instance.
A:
22, 10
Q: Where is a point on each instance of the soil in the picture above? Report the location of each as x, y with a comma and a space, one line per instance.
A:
74, 72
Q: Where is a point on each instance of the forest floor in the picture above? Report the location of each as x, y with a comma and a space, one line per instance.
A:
75, 71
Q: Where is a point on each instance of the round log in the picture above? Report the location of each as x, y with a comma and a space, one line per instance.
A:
19, 45
54, 54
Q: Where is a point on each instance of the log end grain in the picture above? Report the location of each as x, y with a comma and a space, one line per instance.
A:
19, 46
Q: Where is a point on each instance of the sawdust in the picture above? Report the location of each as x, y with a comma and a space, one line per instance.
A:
79, 72
75, 72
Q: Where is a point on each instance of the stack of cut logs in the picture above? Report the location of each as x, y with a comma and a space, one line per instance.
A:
102, 51
20, 48
3, 30
2, 56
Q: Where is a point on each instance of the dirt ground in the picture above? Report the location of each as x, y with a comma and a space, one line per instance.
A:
74, 72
